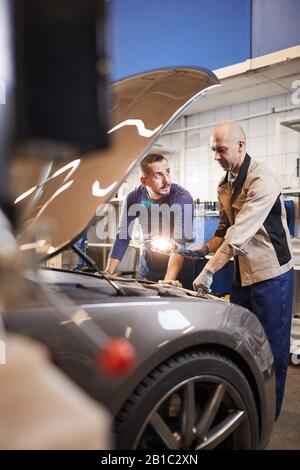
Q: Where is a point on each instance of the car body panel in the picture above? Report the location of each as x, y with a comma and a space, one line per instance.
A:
158, 327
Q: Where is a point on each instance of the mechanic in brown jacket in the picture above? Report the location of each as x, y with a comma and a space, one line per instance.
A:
253, 230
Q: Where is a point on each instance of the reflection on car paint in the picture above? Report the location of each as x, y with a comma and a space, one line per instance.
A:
139, 125
73, 167
124, 304
97, 191
172, 320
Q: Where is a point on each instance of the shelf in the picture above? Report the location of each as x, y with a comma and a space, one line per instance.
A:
291, 192
292, 123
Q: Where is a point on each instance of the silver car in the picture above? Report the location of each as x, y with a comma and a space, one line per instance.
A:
204, 371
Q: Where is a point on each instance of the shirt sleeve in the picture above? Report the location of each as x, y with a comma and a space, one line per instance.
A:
125, 229
261, 196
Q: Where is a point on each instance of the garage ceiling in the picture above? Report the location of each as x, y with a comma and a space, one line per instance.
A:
251, 84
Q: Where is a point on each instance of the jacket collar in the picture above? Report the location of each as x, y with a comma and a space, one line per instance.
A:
225, 194
240, 180
238, 183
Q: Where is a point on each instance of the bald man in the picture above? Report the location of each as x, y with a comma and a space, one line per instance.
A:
253, 230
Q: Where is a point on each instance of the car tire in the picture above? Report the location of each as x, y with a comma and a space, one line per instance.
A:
195, 400
295, 359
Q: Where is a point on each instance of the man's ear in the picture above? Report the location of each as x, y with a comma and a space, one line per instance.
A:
143, 181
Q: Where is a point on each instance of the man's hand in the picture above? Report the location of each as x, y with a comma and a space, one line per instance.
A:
111, 265
107, 273
171, 282
203, 282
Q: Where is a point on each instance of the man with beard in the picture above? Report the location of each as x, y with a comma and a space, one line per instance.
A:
164, 209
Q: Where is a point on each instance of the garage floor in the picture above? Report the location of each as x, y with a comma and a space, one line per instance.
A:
286, 431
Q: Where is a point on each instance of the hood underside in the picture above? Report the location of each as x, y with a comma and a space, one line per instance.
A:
61, 199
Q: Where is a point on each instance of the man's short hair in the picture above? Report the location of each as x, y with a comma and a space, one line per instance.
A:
150, 158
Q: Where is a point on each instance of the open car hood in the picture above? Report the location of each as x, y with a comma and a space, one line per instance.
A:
67, 194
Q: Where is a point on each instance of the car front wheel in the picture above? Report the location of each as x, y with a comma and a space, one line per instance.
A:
195, 400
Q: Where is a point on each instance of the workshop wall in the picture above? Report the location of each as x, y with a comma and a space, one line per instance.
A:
191, 159
202, 173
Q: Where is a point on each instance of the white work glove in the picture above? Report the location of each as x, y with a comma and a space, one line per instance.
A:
194, 251
203, 282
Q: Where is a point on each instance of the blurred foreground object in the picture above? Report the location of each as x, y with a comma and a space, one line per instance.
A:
60, 74
41, 408
117, 357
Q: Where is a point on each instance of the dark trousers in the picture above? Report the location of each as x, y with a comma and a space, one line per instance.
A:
271, 301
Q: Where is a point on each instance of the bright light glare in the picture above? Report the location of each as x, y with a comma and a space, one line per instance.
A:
162, 244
